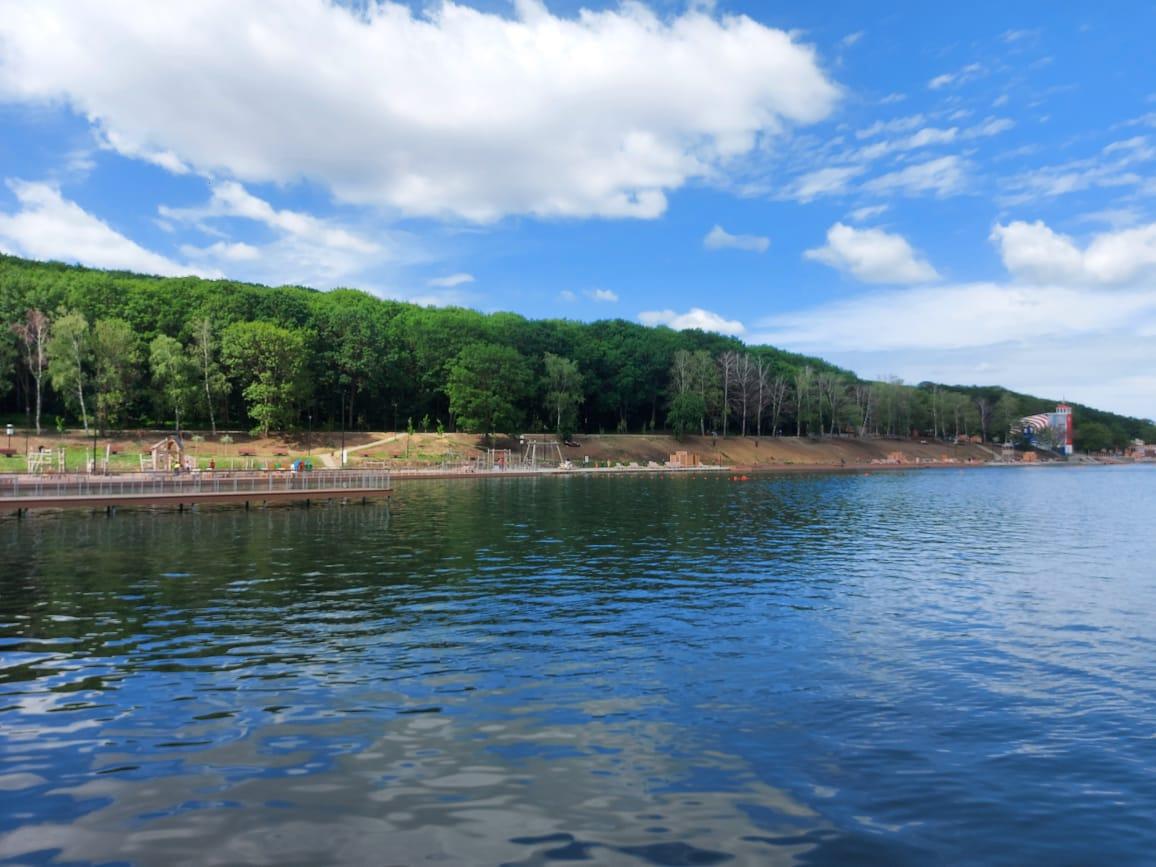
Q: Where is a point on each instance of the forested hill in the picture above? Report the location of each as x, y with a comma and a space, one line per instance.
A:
114, 349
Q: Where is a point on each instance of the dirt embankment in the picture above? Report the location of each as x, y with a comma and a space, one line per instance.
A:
773, 451
402, 449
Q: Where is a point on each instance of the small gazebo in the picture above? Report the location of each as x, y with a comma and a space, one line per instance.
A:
167, 455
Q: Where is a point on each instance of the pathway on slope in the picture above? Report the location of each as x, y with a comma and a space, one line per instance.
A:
332, 460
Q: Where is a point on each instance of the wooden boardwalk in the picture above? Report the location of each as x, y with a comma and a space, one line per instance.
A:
19, 494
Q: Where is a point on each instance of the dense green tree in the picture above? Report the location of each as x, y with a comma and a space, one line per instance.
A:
267, 361
115, 359
563, 393
1091, 436
350, 346
686, 413
486, 383
174, 375
1005, 413
70, 360
386, 361
7, 360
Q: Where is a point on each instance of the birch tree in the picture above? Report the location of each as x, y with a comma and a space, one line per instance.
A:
33, 333
563, 393
804, 377
69, 360
728, 368
212, 380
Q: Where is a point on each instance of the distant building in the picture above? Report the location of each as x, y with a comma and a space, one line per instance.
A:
1141, 450
1053, 430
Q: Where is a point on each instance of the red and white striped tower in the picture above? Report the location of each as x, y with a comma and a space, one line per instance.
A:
1067, 432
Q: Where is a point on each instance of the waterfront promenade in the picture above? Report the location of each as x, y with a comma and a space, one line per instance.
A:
22, 492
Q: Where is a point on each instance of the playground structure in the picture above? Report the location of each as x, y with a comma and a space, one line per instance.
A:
540, 451
166, 456
495, 459
47, 460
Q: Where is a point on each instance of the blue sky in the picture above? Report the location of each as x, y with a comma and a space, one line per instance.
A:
960, 194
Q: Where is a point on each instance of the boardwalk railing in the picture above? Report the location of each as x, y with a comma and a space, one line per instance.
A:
138, 485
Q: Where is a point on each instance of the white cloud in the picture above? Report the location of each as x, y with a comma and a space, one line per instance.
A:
930, 136
1114, 166
567, 296
451, 280
989, 127
1035, 253
1012, 36
967, 73
696, 317
48, 226
1117, 218
719, 238
225, 251
851, 38
823, 182
956, 317
167, 160
872, 255
452, 112
893, 98
926, 137
859, 215
941, 177
603, 296
896, 124
1084, 345
230, 199
305, 249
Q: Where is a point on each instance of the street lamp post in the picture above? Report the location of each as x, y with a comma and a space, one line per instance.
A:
309, 436
343, 430
9, 430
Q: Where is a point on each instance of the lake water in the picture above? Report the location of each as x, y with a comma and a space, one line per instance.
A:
947, 667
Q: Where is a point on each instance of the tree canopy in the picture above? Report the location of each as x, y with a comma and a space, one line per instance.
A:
133, 349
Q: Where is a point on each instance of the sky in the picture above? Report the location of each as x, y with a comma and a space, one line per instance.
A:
965, 195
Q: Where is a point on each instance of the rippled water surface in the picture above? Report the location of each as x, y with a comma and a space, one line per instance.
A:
902, 668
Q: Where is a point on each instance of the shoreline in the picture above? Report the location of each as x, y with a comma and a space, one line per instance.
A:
746, 470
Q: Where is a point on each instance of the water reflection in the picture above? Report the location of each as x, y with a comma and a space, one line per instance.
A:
894, 668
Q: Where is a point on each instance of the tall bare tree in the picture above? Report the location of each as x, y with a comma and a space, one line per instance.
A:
935, 399
834, 389
682, 373
742, 388
804, 378
761, 395
864, 405
728, 369
204, 351
33, 333
779, 387
984, 407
